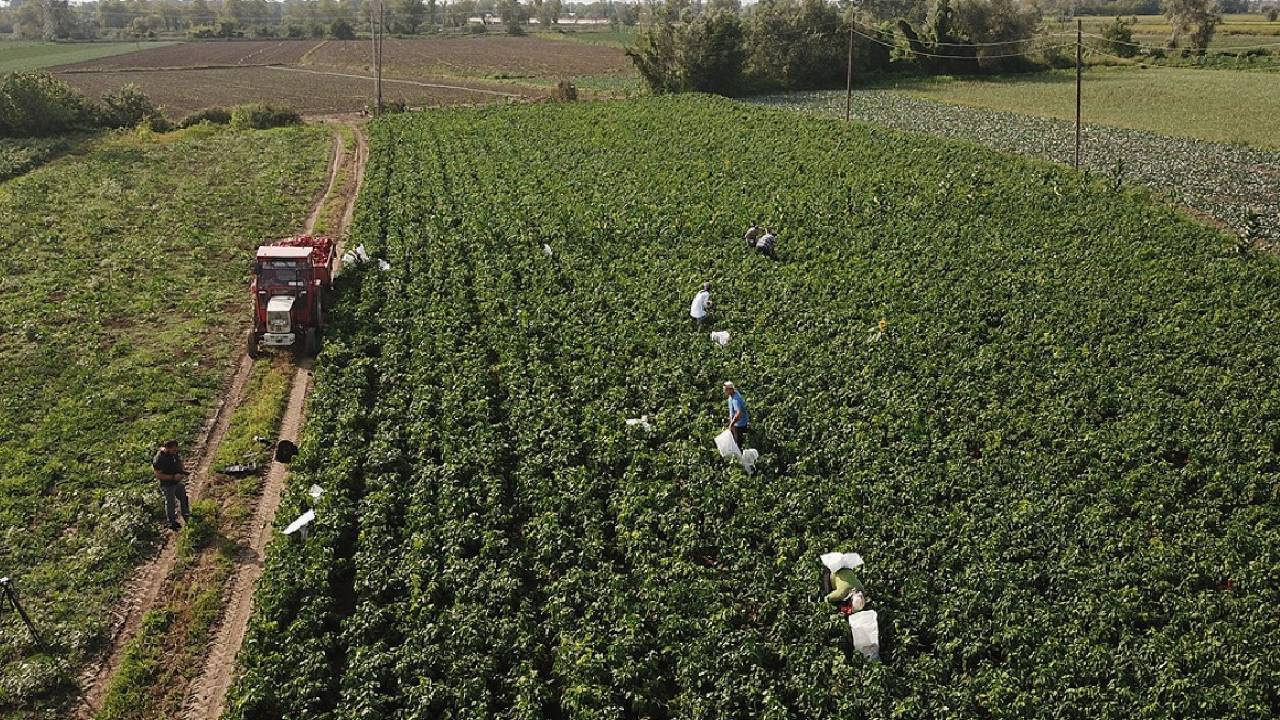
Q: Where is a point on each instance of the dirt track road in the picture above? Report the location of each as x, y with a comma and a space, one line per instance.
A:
207, 691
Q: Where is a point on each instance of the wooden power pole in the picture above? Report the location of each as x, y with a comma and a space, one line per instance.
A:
848, 81
1079, 66
376, 32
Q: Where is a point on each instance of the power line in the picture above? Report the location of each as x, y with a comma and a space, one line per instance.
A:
996, 43
975, 58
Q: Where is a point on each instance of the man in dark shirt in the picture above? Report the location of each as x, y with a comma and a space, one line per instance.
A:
168, 470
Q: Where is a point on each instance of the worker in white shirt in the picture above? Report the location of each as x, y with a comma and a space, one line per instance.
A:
701, 305
753, 233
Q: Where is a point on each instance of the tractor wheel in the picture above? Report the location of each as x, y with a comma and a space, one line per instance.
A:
313, 342
253, 345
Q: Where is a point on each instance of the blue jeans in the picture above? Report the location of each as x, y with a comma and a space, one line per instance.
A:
175, 493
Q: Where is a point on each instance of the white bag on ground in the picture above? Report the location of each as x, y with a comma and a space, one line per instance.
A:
720, 336
303, 520
749, 457
866, 633
727, 446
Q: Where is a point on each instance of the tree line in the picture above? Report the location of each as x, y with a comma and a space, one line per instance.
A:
723, 47
342, 19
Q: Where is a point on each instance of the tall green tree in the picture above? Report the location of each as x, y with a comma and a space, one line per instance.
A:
513, 16
409, 15
1198, 18
59, 23
199, 13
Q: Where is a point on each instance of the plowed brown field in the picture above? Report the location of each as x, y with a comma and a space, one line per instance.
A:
333, 76
181, 92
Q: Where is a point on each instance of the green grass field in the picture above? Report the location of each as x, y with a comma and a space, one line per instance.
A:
1222, 106
619, 38
18, 56
120, 303
1231, 25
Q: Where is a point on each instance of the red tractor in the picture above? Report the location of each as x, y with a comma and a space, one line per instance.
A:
291, 281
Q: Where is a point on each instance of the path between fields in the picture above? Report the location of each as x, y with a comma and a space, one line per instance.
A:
208, 691
145, 589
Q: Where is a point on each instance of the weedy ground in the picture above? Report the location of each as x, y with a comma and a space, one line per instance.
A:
123, 299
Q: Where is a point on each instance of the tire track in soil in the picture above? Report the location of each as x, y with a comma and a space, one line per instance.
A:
208, 691
143, 590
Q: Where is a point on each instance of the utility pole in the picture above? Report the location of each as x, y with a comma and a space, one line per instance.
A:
848, 81
376, 32
1079, 65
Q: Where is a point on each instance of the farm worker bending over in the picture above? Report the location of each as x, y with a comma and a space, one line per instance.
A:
167, 466
840, 582
701, 305
739, 418
765, 244
753, 233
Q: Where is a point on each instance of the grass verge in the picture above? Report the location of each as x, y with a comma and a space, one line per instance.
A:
121, 302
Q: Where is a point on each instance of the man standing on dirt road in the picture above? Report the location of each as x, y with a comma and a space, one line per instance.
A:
168, 470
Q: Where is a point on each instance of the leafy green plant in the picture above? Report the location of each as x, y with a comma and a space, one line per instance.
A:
1040, 409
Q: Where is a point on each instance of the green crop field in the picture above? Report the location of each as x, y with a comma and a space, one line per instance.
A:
1232, 25
121, 290
1042, 409
16, 56
1222, 106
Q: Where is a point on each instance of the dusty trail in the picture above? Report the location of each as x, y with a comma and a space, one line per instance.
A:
145, 589
208, 691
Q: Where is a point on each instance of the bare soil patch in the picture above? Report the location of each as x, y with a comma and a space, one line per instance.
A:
480, 57
181, 92
204, 53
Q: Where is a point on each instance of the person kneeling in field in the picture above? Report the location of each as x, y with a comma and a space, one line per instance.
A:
701, 305
753, 233
765, 244
841, 584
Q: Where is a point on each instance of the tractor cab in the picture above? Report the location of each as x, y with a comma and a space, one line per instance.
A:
288, 287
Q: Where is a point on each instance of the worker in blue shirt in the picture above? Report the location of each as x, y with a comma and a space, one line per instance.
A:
739, 418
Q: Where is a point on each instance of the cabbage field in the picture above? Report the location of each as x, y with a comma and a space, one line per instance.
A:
1043, 411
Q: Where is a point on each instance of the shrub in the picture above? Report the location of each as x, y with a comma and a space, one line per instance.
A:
341, 30
1117, 39
566, 91
213, 115
258, 116
35, 104
126, 107
1272, 14
477, 28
